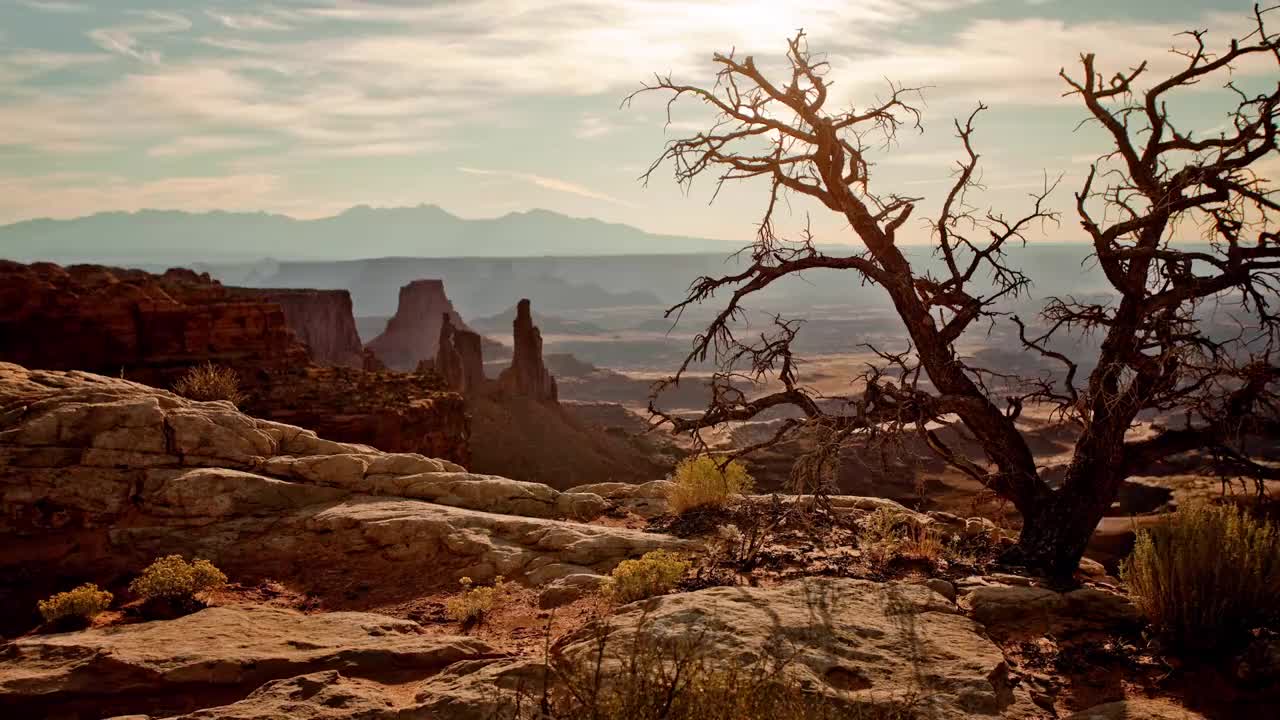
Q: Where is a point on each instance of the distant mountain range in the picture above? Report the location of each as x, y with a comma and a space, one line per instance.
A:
361, 232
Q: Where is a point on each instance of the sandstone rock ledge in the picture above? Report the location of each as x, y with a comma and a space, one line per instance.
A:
853, 642
100, 475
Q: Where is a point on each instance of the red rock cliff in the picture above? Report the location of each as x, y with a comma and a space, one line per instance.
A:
322, 319
413, 333
150, 327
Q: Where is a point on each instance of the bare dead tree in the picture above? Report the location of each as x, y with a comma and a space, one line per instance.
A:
1154, 186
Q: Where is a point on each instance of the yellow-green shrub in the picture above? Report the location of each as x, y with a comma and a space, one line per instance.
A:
172, 577
700, 482
474, 603
83, 602
655, 573
210, 382
1207, 575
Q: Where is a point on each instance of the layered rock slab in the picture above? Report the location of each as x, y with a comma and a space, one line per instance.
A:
855, 643
212, 657
99, 475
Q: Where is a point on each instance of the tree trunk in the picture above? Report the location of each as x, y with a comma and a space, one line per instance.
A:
1057, 531
1055, 535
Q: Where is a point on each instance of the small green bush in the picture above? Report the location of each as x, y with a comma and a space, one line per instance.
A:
1206, 576
84, 602
474, 603
173, 578
655, 573
210, 382
700, 482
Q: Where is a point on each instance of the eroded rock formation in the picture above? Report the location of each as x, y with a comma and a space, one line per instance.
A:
413, 333
99, 476
460, 358
147, 327
528, 375
394, 412
215, 655
152, 328
322, 319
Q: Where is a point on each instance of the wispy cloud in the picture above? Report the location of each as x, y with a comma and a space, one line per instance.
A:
126, 40
54, 6
187, 146
548, 183
248, 21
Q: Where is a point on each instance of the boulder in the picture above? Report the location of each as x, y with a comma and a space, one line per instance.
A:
1020, 611
644, 499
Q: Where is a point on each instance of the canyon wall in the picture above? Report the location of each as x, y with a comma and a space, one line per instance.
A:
152, 328
149, 328
321, 318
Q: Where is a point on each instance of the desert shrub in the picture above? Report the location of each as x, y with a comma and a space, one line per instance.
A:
83, 602
681, 678
210, 382
471, 605
655, 573
173, 578
886, 534
701, 482
1207, 575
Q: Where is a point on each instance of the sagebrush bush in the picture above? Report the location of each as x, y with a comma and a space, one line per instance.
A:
655, 573
473, 604
1207, 575
210, 382
700, 482
171, 577
84, 602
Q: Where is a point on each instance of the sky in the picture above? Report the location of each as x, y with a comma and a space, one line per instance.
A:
484, 107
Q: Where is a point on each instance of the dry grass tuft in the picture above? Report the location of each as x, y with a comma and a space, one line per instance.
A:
680, 678
1206, 576
210, 382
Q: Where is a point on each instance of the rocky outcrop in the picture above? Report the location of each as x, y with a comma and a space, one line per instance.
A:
460, 358
528, 375
413, 333
1016, 611
877, 646
216, 656
395, 412
98, 476
857, 643
147, 327
322, 319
